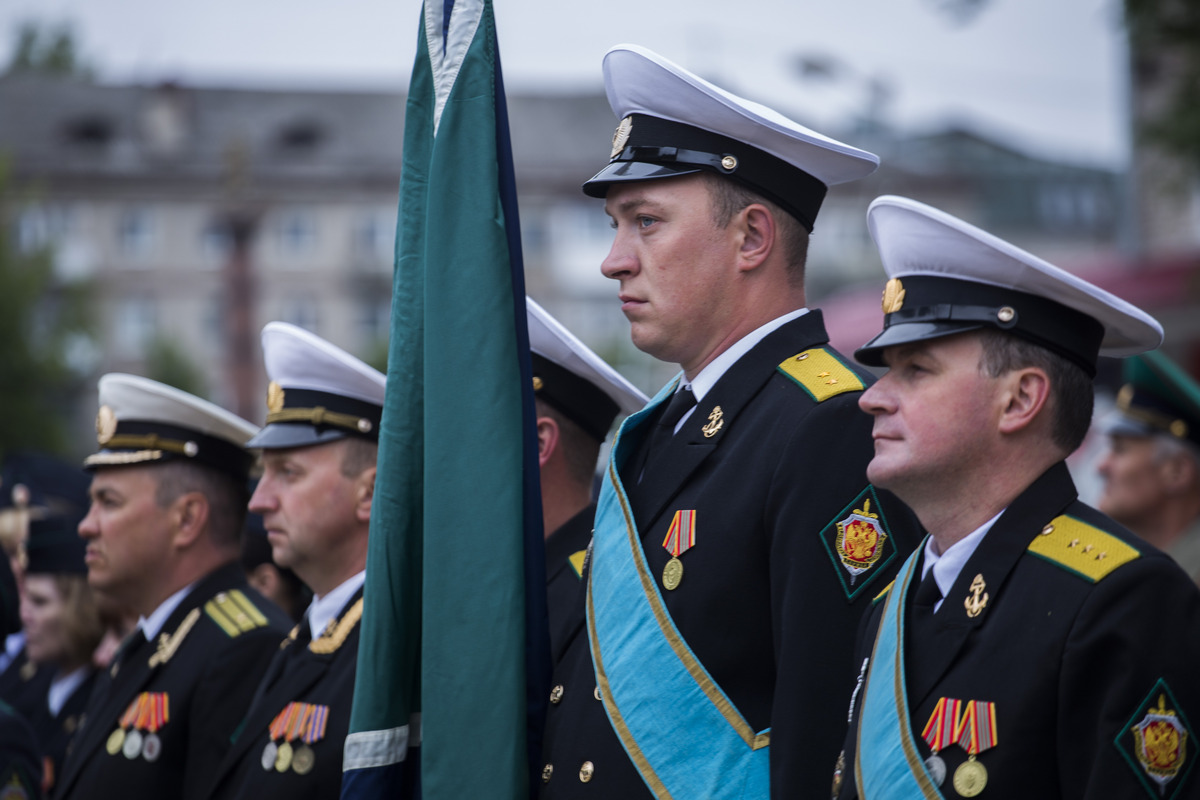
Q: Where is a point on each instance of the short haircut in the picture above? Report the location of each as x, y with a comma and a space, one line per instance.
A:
1167, 446
1071, 393
227, 497
358, 456
729, 197
82, 627
580, 449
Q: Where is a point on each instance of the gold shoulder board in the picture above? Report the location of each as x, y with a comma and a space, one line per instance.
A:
821, 374
1081, 548
234, 613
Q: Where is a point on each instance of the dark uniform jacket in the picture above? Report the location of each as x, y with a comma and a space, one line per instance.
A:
23, 684
564, 565
55, 732
298, 675
20, 765
765, 602
213, 651
1074, 662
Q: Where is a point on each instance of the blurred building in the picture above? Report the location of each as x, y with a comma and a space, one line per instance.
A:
199, 214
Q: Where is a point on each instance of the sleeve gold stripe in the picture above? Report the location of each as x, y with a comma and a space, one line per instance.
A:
821, 374
1081, 548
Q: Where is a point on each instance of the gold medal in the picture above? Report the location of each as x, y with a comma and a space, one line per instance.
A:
970, 778
302, 761
672, 574
115, 740
283, 758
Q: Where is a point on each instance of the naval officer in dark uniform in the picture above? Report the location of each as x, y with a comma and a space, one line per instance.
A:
163, 538
319, 450
1033, 647
577, 396
737, 539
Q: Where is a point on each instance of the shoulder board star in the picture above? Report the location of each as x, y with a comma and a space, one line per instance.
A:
820, 373
234, 613
1081, 548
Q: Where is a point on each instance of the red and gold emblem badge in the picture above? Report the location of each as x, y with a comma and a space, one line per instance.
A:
860, 538
1160, 743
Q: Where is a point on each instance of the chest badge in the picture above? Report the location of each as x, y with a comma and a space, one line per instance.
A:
860, 540
716, 421
977, 600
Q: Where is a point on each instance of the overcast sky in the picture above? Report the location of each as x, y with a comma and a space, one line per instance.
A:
1045, 76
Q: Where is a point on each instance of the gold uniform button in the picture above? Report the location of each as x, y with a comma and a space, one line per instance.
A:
556, 694
587, 771
547, 771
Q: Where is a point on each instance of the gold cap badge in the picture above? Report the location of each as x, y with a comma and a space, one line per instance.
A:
621, 136
274, 398
893, 296
106, 425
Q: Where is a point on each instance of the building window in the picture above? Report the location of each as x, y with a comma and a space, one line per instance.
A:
135, 235
373, 238
136, 325
296, 234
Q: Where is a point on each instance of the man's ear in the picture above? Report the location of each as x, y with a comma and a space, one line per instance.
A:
1025, 394
1178, 472
756, 231
364, 494
189, 513
548, 434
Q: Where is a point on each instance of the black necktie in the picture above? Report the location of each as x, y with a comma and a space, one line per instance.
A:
679, 404
921, 620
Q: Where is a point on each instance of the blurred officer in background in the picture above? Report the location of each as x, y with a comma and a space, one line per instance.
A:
1152, 469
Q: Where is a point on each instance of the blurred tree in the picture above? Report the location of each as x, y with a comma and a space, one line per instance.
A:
46, 50
42, 321
1164, 38
167, 362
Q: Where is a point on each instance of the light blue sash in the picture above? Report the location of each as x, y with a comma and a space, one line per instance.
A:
887, 763
684, 736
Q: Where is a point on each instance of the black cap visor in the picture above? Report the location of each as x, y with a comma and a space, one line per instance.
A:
631, 171
871, 353
283, 435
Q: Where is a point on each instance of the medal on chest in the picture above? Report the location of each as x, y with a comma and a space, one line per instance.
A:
681, 537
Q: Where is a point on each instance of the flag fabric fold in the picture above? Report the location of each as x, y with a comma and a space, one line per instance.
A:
451, 671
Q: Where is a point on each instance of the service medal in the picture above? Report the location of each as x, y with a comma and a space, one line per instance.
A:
151, 747
970, 778
268, 756
115, 740
672, 574
303, 760
680, 538
283, 758
937, 769
133, 745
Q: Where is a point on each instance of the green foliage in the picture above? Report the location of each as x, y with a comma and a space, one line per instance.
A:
48, 50
40, 319
167, 362
1165, 37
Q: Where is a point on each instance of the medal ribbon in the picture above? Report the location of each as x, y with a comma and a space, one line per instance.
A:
977, 730
682, 534
940, 732
134, 712
282, 721
299, 719
314, 730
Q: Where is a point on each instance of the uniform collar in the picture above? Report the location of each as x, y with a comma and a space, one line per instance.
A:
63, 686
152, 624
947, 565
324, 608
